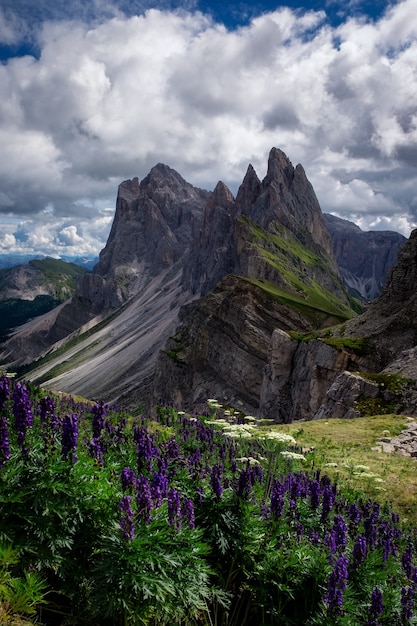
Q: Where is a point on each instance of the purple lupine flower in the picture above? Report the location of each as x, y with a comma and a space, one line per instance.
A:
174, 508
126, 521
144, 498
127, 477
376, 607
159, 488
315, 492
359, 550
47, 408
216, 479
99, 413
22, 411
277, 499
407, 561
370, 526
340, 531
407, 603
354, 515
145, 448
336, 585
187, 512
314, 537
173, 450
4, 441
327, 501
69, 436
244, 483
4, 390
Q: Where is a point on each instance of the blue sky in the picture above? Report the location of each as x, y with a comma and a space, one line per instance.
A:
95, 92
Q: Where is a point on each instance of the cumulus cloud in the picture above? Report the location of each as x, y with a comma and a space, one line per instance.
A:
107, 100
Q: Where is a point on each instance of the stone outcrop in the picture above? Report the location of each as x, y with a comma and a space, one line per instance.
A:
364, 258
390, 321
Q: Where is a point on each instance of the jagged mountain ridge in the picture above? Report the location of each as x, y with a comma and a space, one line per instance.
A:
161, 233
364, 258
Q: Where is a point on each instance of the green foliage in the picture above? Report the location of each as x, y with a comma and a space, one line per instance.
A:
20, 594
288, 255
181, 520
358, 345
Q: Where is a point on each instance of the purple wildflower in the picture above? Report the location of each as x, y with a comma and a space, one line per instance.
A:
327, 502
4, 390
216, 480
159, 488
4, 441
359, 550
174, 508
244, 483
277, 499
339, 531
127, 477
376, 607
336, 585
315, 492
99, 413
69, 436
187, 511
407, 561
144, 498
126, 521
22, 411
407, 603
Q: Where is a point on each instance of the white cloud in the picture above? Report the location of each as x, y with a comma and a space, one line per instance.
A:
106, 102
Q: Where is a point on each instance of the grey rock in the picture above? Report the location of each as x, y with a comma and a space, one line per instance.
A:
364, 258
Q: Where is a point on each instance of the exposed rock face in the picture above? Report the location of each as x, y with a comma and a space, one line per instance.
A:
221, 346
364, 258
273, 233
284, 204
156, 223
390, 321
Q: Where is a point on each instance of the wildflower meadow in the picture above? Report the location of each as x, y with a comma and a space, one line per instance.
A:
177, 519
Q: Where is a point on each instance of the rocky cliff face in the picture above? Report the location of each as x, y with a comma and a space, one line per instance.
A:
364, 258
390, 321
272, 244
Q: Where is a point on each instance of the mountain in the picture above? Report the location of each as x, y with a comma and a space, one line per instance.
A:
201, 295
34, 288
171, 245
11, 260
364, 258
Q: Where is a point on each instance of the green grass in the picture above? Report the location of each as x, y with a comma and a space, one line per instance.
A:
316, 307
351, 443
291, 259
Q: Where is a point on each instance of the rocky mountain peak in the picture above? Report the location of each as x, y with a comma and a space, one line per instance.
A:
280, 168
248, 191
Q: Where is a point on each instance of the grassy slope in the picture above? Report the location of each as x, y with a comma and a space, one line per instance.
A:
286, 254
352, 443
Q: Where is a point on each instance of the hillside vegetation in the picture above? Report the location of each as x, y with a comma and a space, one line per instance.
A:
195, 520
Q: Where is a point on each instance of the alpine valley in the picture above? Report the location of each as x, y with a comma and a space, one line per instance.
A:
255, 300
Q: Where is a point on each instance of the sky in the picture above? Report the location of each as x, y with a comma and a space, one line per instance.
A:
94, 92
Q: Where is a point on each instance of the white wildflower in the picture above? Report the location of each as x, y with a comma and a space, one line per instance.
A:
293, 455
330, 465
281, 437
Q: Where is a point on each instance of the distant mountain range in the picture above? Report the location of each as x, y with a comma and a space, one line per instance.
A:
202, 294
34, 288
11, 260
